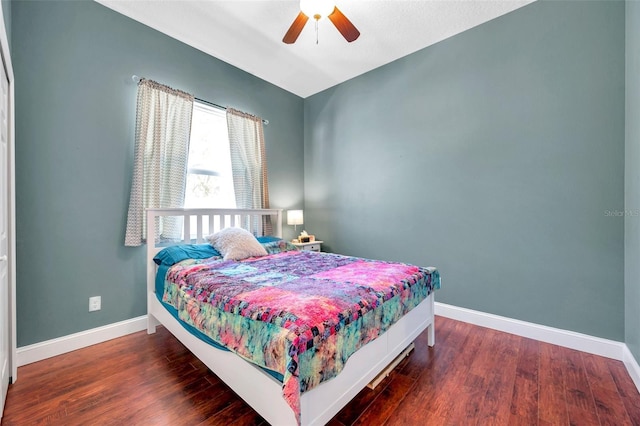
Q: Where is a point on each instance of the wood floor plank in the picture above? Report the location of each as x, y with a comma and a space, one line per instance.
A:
112, 410
464, 383
185, 392
359, 404
426, 397
609, 405
496, 407
581, 406
386, 401
250, 418
524, 402
473, 375
415, 364
626, 389
552, 405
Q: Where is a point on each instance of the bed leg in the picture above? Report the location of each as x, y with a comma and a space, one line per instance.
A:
431, 335
152, 323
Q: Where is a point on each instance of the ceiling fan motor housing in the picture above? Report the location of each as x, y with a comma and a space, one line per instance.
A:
317, 8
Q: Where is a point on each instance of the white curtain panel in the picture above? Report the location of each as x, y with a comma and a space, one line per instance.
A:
248, 161
163, 125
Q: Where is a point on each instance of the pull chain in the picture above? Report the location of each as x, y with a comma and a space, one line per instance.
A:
317, 18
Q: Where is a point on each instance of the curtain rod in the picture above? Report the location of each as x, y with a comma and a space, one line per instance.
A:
136, 79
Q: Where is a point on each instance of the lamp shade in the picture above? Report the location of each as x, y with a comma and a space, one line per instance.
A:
295, 217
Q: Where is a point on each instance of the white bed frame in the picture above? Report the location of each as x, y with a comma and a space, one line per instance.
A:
261, 391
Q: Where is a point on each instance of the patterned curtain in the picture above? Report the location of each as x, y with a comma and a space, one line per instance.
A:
249, 162
163, 125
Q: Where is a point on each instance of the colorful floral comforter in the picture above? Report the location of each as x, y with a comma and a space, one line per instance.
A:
299, 313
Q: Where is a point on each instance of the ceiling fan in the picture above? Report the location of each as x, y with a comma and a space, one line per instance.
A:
318, 9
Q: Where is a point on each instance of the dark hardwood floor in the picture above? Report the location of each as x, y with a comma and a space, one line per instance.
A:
473, 375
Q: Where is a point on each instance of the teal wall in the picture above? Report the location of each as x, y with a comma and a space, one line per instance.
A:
493, 155
632, 180
75, 117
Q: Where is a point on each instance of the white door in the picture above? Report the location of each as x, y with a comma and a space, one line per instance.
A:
4, 237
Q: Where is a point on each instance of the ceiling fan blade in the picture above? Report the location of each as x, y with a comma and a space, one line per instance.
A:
344, 25
294, 30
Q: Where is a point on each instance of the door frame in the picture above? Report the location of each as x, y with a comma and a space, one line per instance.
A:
11, 199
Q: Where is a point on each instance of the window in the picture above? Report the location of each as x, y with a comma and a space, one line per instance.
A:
209, 178
164, 145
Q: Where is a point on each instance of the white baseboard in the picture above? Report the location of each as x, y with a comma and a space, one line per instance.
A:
43, 350
632, 366
569, 339
556, 336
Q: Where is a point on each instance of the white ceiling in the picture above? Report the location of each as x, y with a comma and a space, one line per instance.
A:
248, 34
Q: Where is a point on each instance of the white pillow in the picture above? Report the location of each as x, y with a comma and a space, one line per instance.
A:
236, 244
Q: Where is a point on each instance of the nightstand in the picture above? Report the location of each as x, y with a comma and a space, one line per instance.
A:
314, 246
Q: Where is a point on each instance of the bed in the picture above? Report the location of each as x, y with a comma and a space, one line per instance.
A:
285, 392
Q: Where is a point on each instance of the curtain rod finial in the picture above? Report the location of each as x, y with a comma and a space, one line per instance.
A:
136, 79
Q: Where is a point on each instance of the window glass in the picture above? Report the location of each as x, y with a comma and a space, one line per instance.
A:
209, 178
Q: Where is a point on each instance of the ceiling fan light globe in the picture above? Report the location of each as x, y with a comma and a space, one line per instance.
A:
313, 8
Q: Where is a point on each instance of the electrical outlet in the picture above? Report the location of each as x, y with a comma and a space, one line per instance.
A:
95, 303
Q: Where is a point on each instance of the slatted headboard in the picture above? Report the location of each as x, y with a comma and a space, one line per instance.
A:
197, 224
